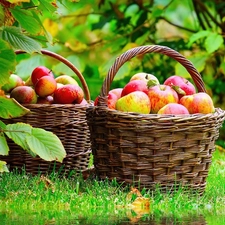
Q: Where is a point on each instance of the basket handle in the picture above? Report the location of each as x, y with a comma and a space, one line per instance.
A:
70, 65
148, 49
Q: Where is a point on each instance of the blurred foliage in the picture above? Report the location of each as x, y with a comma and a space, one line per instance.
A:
91, 35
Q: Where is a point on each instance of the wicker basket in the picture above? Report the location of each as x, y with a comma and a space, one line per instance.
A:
67, 121
153, 150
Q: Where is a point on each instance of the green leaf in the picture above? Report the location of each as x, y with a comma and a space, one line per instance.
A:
3, 167
18, 132
4, 148
27, 20
7, 62
10, 108
2, 15
46, 144
197, 36
18, 40
213, 42
47, 5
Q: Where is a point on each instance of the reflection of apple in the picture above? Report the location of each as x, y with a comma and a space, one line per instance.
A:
45, 86
14, 81
45, 100
24, 95
173, 109
136, 101
145, 77
65, 79
134, 85
198, 103
39, 72
117, 92
180, 82
68, 94
111, 101
161, 95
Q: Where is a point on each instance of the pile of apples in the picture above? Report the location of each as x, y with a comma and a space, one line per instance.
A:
43, 88
144, 94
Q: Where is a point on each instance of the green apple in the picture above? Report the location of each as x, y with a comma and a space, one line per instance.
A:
14, 81
66, 79
147, 77
136, 101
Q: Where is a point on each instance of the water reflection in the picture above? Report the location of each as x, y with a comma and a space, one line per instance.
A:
70, 218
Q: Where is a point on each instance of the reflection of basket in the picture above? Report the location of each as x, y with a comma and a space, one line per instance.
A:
150, 150
67, 121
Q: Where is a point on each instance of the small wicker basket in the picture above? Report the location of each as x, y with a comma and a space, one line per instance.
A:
152, 150
67, 121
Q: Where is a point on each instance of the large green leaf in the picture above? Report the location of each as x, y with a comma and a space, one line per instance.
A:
10, 108
213, 42
7, 62
46, 144
27, 20
3, 167
197, 36
18, 40
18, 132
4, 148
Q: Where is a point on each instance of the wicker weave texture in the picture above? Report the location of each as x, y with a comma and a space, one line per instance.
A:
67, 121
151, 150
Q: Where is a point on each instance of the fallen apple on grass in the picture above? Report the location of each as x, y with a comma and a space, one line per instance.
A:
137, 102
198, 103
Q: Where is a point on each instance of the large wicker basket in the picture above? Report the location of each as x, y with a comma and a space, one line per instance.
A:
67, 121
152, 150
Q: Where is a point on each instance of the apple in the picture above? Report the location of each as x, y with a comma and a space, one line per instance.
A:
111, 100
66, 79
117, 92
14, 81
68, 94
24, 95
45, 100
145, 77
134, 85
161, 95
83, 102
136, 101
198, 103
45, 86
39, 72
181, 85
173, 109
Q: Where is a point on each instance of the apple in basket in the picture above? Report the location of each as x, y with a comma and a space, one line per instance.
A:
145, 77
173, 109
45, 100
198, 103
39, 72
68, 94
117, 92
160, 95
45, 86
24, 95
136, 101
134, 85
181, 85
66, 79
111, 100
14, 81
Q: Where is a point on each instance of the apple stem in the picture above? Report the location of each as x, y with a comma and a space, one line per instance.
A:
178, 90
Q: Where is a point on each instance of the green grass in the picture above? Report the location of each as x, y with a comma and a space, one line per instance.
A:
25, 198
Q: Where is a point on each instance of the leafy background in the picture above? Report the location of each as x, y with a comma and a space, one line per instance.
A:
91, 35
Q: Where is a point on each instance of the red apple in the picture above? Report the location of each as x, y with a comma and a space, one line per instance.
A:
68, 94
66, 79
117, 92
198, 103
173, 109
145, 77
136, 101
24, 95
39, 72
14, 81
134, 85
185, 85
45, 100
111, 101
45, 86
161, 95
